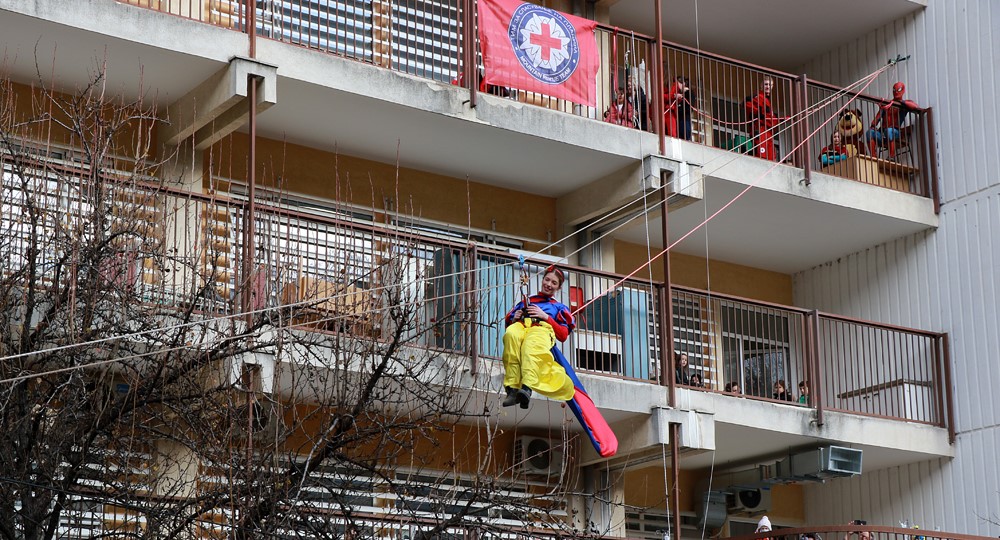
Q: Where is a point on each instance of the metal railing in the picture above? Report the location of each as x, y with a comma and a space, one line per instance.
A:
855, 532
866, 153
343, 274
855, 376
721, 106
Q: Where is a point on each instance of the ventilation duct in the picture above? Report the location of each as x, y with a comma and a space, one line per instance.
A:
818, 465
814, 465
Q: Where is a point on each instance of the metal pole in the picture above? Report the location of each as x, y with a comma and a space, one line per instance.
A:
675, 473
471, 284
816, 388
250, 212
935, 187
470, 72
949, 398
250, 17
806, 151
657, 93
667, 313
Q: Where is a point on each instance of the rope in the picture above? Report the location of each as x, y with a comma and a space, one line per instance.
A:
733, 200
731, 158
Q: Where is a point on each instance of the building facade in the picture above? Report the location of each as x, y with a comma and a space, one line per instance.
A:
341, 157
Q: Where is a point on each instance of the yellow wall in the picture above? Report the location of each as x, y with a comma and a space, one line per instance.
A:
644, 488
367, 184
21, 104
726, 278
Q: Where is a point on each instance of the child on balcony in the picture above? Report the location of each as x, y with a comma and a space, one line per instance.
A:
835, 152
621, 111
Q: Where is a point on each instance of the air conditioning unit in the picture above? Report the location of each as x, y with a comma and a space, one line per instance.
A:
749, 501
538, 455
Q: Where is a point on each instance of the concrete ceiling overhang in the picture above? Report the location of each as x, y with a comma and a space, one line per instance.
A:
782, 34
331, 103
781, 232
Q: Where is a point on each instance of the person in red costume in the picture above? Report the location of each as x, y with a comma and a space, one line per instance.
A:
885, 126
764, 121
527, 345
674, 108
621, 112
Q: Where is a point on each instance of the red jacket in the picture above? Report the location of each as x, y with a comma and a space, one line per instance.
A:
759, 110
623, 116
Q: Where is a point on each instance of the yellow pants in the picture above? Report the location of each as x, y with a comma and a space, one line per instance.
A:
527, 361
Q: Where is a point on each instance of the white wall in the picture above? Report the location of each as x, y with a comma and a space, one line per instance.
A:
945, 280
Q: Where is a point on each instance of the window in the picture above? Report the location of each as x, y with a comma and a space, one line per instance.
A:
339, 26
756, 348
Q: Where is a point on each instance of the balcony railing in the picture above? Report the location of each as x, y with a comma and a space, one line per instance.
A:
855, 532
344, 272
426, 38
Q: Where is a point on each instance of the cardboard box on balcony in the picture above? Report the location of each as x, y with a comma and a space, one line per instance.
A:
328, 305
876, 171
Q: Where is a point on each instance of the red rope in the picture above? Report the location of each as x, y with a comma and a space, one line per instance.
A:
718, 121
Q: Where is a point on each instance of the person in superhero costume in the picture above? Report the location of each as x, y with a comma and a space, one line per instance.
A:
531, 334
532, 361
885, 126
764, 121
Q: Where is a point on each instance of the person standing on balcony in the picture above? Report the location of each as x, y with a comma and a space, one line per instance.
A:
621, 111
637, 97
681, 375
885, 126
528, 341
677, 109
763, 119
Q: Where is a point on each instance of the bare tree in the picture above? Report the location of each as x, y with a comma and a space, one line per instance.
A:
138, 401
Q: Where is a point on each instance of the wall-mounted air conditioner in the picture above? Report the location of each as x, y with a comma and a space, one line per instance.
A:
538, 455
749, 501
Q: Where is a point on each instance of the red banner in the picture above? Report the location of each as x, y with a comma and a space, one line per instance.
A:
537, 49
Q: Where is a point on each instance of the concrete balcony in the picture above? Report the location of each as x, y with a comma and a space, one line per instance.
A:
777, 217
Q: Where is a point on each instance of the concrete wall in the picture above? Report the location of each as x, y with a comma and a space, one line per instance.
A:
944, 280
366, 183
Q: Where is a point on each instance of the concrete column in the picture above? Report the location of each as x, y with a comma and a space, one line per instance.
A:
175, 470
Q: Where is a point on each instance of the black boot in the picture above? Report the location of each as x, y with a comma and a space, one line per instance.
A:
523, 397
511, 398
